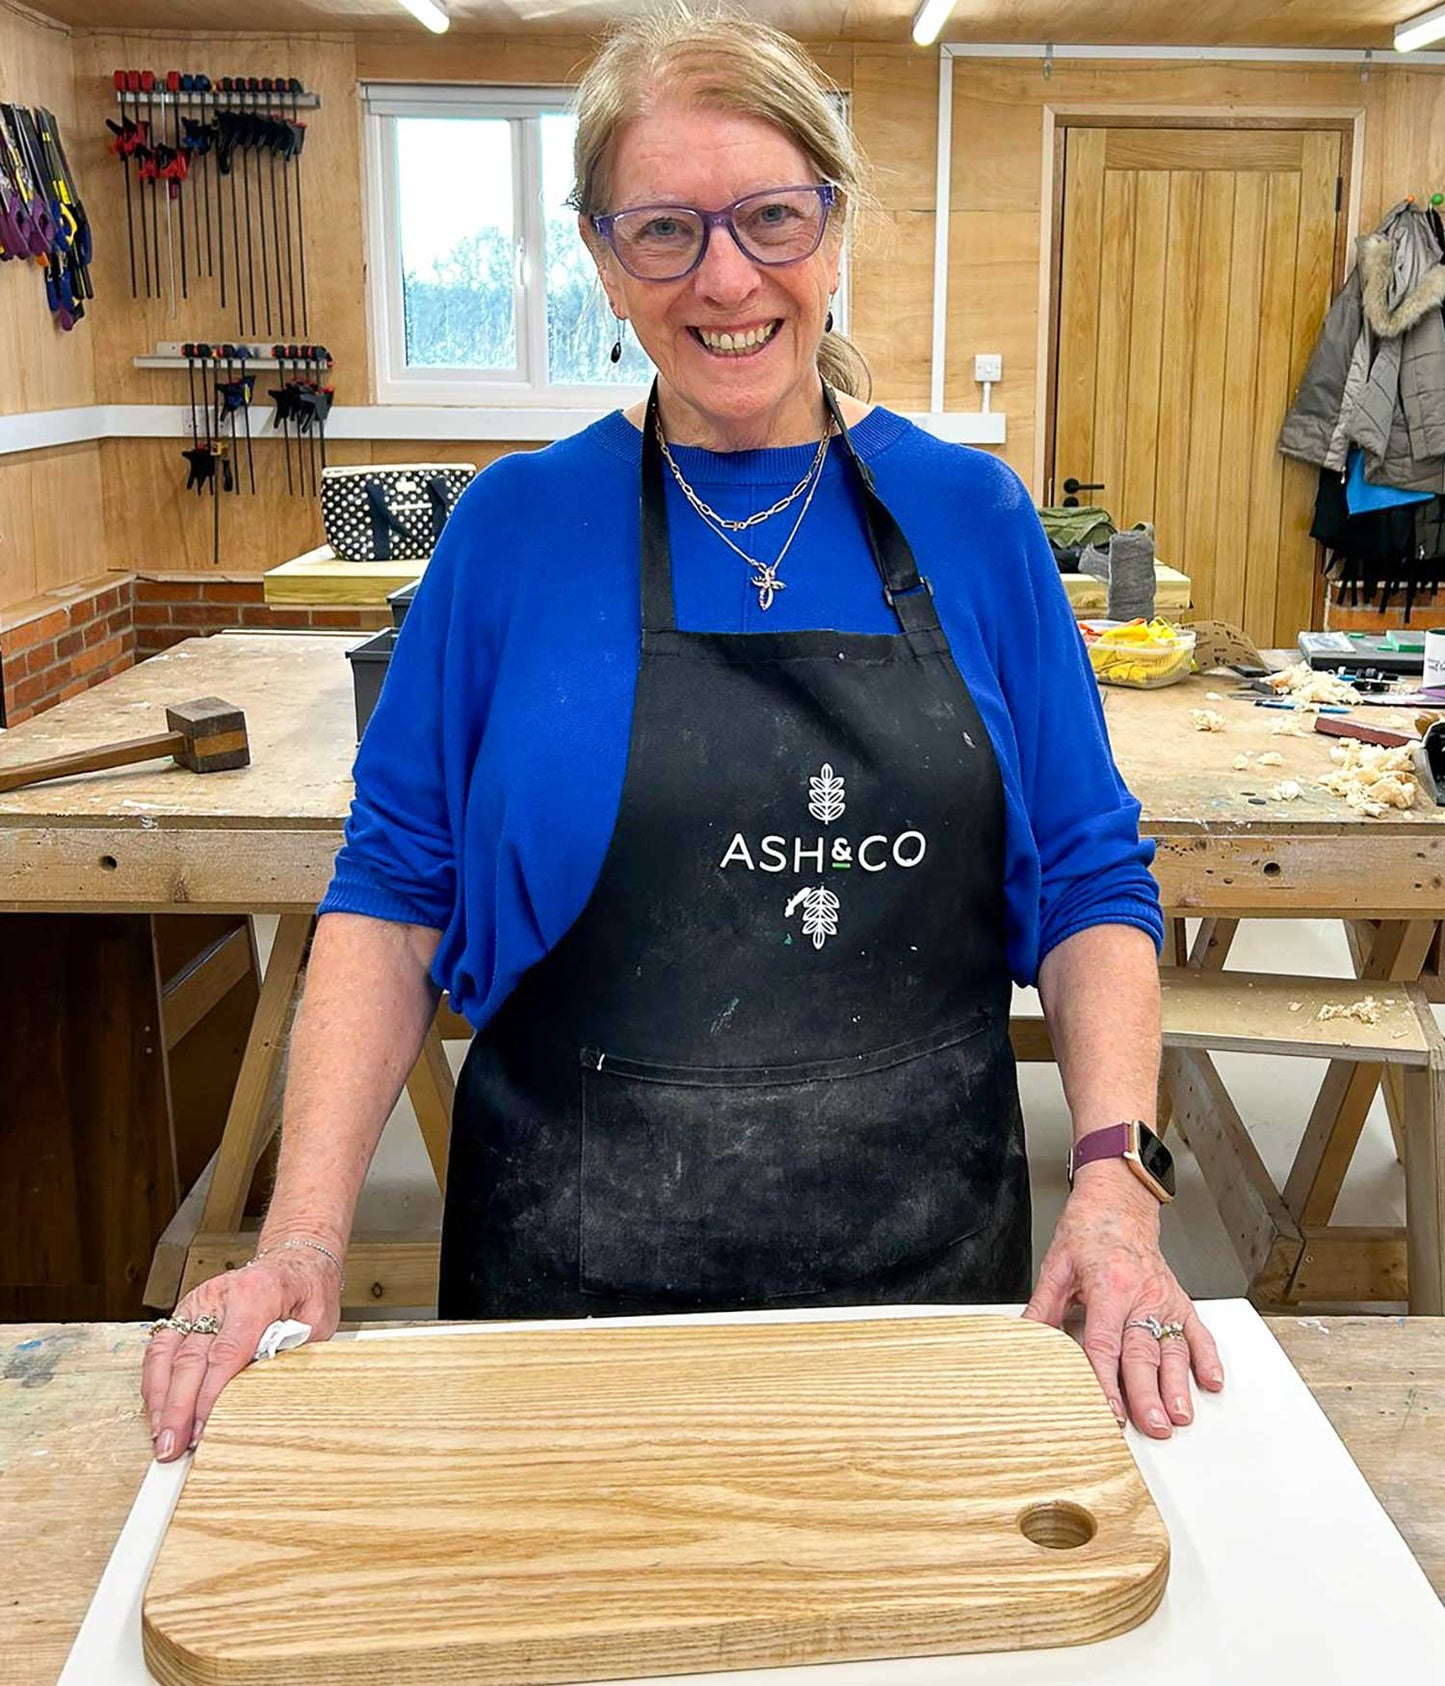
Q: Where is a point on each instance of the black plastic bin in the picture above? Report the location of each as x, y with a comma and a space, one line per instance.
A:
369, 662
399, 602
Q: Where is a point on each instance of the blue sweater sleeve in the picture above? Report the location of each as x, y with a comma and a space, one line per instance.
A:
398, 859
1093, 865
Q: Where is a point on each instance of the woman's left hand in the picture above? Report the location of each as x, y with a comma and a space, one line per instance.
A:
1105, 1255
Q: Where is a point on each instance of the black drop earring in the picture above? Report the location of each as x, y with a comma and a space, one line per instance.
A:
616, 352
828, 323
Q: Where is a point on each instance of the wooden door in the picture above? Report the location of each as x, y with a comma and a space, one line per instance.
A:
1196, 268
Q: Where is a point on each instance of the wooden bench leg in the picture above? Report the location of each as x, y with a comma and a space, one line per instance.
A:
1424, 1118
1266, 1240
251, 1121
1333, 1132
1360, 934
1212, 942
432, 1090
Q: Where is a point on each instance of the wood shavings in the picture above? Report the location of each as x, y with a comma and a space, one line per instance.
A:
1295, 1006
1241, 763
1271, 758
1214, 696
1286, 791
1207, 719
1288, 729
1366, 1011
1371, 780
1306, 688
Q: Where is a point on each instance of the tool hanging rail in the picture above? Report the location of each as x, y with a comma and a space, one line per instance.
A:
221, 387
184, 139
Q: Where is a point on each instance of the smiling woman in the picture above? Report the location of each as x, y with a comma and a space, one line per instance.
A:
717, 129
714, 779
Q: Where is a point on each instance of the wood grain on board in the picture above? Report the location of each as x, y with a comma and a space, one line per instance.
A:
603, 1502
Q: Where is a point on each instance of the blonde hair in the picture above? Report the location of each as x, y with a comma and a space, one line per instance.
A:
722, 59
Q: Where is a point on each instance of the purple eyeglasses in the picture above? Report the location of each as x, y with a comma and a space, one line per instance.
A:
779, 226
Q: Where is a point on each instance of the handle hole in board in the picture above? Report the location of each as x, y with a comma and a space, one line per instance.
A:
1272, 869
1058, 1526
107, 863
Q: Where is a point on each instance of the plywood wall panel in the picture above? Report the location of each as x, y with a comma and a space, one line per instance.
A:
331, 190
152, 522
51, 532
894, 111
41, 367
891, 300
409, 56
992, 306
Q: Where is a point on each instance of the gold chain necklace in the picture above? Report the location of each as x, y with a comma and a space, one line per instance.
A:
766, 578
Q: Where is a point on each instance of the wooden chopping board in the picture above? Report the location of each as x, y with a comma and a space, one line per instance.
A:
596, 1501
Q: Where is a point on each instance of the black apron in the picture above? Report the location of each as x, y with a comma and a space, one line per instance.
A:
769, 1064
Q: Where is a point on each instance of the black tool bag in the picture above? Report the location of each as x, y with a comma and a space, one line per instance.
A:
392, 514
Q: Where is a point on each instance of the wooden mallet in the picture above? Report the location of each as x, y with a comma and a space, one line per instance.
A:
207, 736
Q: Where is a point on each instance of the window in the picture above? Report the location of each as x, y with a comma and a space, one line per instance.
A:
481, 289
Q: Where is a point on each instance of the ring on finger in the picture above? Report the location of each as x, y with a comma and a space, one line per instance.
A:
1171, 1331
206, 1324
180, 1324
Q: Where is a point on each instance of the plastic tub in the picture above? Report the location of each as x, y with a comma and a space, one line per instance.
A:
1141, 656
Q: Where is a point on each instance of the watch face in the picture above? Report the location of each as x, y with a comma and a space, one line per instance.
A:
1157, 1160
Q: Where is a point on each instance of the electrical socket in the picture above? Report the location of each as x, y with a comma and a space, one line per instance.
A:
988, 366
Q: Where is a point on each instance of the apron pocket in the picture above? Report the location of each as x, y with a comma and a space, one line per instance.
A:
708, 1184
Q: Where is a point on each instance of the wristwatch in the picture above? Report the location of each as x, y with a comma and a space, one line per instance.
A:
1140, 1149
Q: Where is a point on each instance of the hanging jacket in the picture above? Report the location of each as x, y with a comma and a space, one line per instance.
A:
1376, 378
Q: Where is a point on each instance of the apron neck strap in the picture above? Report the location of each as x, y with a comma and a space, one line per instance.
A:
907, 592
658, 614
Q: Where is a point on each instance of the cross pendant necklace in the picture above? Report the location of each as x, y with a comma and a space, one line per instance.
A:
767, 582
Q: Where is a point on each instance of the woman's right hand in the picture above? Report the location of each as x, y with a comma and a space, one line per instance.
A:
182, 1375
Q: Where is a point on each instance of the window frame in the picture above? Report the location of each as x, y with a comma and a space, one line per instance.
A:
525, 387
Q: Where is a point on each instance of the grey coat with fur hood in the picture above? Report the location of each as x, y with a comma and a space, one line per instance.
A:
1377, 375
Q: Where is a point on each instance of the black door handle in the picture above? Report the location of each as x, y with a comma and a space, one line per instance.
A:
1073, 487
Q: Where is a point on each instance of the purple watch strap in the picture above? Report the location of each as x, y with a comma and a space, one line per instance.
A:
1109, 1143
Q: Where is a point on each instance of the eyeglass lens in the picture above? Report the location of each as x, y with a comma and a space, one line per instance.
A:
662, 242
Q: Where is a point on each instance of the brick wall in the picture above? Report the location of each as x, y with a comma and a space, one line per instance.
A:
50, 651
170, 607
57, 646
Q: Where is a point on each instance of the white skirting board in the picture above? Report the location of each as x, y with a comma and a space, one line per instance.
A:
1284, 1565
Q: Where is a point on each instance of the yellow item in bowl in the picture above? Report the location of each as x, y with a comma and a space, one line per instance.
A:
1144, 654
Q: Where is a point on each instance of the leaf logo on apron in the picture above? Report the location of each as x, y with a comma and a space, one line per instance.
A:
820, 912
826, 803
825, 795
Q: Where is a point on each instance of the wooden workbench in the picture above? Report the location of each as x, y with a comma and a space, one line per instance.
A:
321, 579
156, 840
74, 1448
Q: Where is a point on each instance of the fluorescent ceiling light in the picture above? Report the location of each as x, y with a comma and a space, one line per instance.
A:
429, 13
1420, 31
932, 15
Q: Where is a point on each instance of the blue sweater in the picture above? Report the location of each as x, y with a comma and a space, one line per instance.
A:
488, 782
